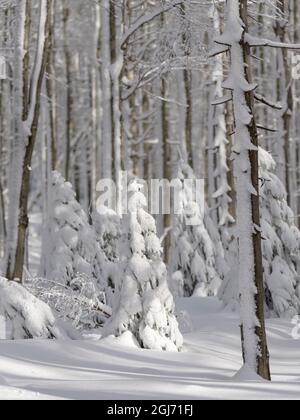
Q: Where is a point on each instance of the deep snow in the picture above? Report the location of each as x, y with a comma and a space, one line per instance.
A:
207, 369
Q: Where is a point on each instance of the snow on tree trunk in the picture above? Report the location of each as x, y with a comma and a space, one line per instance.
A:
221, 194
145, 306
116, 77
17, 148
254, 342
30, 126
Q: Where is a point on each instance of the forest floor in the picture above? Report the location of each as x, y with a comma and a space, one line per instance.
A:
115, 369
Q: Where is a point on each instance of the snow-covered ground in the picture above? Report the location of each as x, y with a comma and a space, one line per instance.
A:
93, 369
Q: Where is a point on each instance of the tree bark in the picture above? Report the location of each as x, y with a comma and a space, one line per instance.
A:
20, 108
246, 165
66, 15
263, 367
285, 90
51, 92
24, 194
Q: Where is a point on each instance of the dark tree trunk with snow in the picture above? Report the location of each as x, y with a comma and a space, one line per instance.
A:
34, 108
251, 285
66, 15
285, 94
263, 368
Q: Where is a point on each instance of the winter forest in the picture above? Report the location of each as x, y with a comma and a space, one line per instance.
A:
149, 199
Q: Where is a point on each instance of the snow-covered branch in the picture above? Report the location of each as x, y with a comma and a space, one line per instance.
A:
147, 19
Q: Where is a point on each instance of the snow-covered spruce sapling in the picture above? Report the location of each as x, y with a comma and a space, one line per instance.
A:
107, 226
72, 243
144, 305
72, 255
281, 244
197, 253
23, 315
280, 248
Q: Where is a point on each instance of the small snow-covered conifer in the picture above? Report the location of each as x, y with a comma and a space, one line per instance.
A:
108, 234
72, 261
197, 252
22, 315
72, 247
280, 247
281, 243
145, 306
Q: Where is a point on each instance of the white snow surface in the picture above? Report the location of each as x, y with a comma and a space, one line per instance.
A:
210, 367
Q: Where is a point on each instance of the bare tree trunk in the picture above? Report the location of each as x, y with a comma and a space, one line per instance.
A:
39, 72
246, 164
107, 135
263, 367
167, 159
187, 77
285, 94
117, 68
51, 92
2, 211
21, 99
296, 119
66, 15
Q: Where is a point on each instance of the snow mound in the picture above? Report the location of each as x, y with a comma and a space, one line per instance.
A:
247, 374
24, 316
127, 339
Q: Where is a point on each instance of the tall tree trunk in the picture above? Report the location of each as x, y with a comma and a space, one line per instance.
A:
295, 117
262, 358
251, 282
187, 77
107, 136
20, 108
117, 60
285, 95
51, 91
32, 121
167, 159
66, 16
